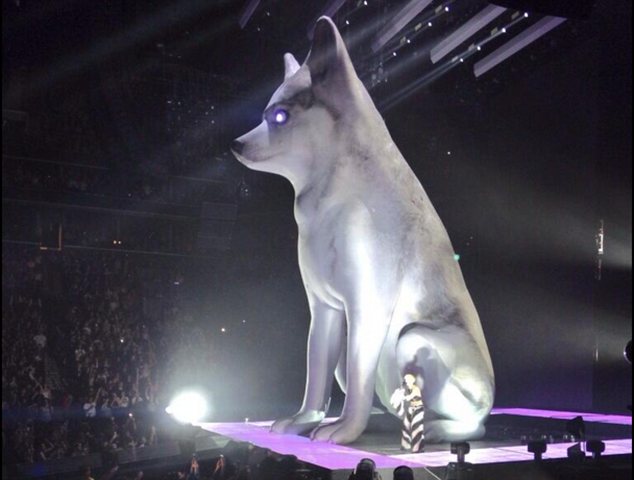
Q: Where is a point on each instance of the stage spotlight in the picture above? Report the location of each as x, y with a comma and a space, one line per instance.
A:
627, 353
537, 448
460, 449
459, 470
188, 407
596, 447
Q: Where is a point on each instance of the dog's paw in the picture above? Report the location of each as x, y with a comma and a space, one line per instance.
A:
299, 423
341, 431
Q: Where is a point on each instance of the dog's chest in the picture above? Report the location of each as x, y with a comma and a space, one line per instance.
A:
317, 251
319, 257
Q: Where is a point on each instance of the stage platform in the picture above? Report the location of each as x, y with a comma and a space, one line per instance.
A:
508, 430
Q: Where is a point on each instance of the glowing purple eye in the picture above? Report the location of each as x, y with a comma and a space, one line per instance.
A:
280, 116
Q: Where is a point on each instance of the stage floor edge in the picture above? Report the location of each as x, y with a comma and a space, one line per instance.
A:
340, 457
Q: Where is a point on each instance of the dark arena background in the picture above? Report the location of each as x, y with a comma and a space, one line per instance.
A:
141, 260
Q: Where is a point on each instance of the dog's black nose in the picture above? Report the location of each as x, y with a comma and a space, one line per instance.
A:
237, 146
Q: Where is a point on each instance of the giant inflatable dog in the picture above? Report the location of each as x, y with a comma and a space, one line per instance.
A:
385, 293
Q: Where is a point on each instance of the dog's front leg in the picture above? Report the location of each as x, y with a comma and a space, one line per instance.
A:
325, 341
367, 328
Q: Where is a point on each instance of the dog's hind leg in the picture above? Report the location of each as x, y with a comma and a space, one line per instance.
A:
457, 380
324, 347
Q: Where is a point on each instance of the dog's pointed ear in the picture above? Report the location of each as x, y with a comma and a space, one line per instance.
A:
290, 66
328, 60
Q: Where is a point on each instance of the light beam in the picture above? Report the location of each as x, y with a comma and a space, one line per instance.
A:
247, 12
396, 24
466, 31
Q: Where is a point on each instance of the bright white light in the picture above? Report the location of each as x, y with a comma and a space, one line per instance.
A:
394, 54
479, 48
429, 24
504, 30
525, 14
223, 329
599, 239
188, 407
446, 9
347, 22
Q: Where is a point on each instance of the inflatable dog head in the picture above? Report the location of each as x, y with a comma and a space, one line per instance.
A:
317, 102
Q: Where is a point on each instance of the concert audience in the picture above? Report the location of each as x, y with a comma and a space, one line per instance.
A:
79, 375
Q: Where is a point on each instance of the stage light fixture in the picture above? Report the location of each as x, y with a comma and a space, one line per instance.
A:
188, 407
600, 238
459, 470
537, 448
460, 449
596, 447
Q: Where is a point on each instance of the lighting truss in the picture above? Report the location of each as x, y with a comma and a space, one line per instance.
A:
518, 42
